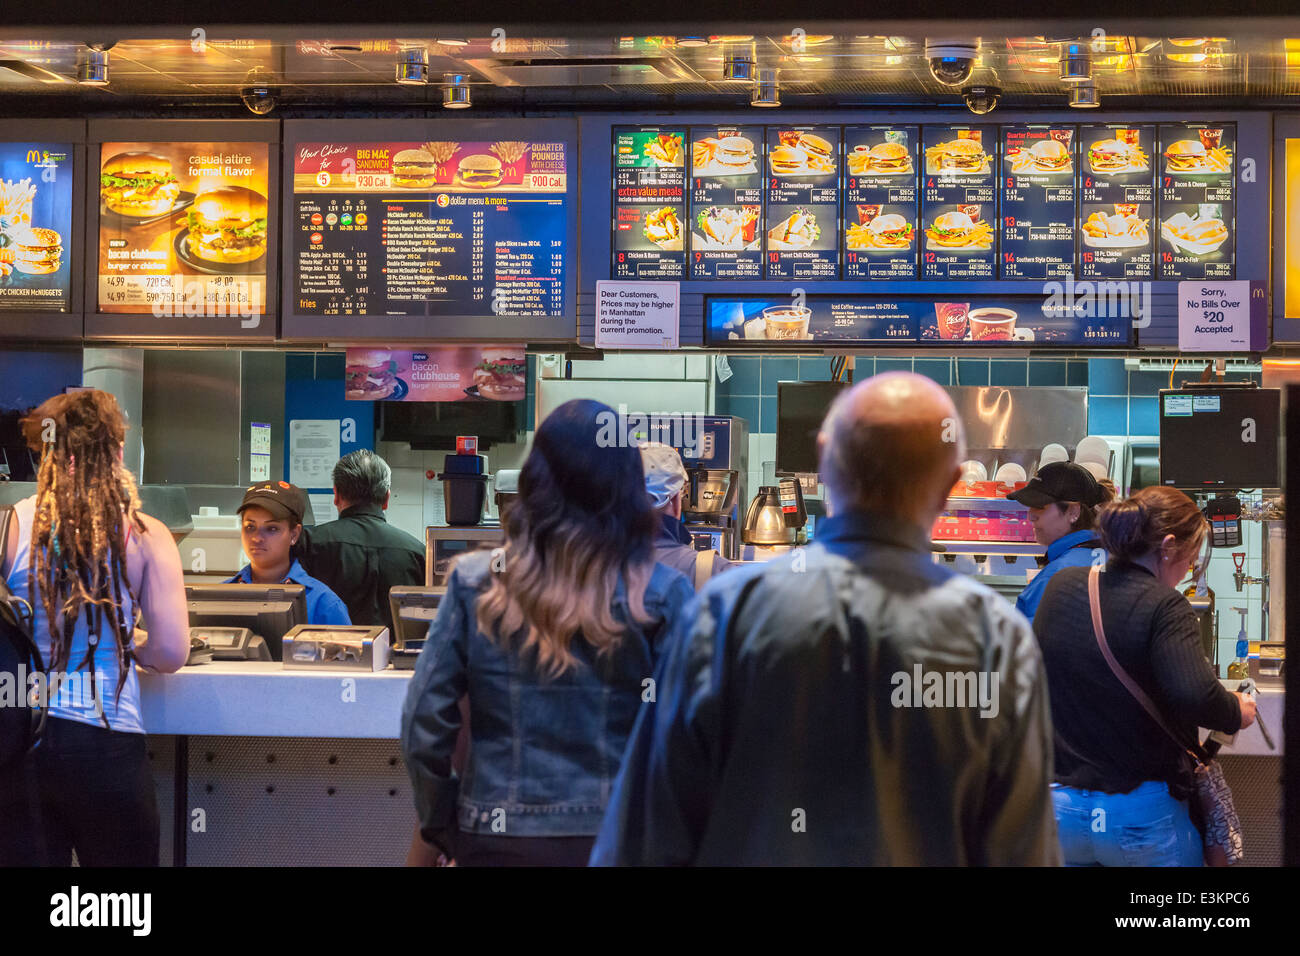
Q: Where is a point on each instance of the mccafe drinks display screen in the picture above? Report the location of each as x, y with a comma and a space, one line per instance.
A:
979, 321
956, 201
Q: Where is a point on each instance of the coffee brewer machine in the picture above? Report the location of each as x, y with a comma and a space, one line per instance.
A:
717, 463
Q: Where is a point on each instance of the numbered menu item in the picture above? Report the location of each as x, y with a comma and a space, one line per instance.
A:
726, 187
432, 228
650, 223
958, 202
880, 201
35, 226
183, 228
1197, 200
812, 318
1117, 202
1038, 213
803, 202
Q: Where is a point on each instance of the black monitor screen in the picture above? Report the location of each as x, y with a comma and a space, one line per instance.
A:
800, 409
1221, 438
413, 611
268, 610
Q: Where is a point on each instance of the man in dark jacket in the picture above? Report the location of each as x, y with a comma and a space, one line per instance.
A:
852, 702
361, 555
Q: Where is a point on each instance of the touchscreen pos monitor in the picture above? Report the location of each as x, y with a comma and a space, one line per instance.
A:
268, 610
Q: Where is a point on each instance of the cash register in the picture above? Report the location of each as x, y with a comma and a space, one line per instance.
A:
242, 622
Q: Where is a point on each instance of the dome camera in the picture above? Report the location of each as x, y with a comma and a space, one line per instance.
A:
951, 61
259, 96
981, 99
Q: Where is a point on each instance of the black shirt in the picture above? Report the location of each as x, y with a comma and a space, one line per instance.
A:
1104, 740
360, 557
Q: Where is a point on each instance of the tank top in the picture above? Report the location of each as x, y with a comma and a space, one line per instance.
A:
78, 696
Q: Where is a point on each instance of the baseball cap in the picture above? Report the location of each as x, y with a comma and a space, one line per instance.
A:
664, 473
1059, 481
281, 499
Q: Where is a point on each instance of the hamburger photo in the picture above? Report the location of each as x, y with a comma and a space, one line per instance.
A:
890, 231
1050, 156
414, 169
138, 184
957, 230
820, 152
501, 375
1114, 156
957, 155
369, 374
1186, 155
228, 225
480, 171
888, 158
788, 160
37, 252
734, 151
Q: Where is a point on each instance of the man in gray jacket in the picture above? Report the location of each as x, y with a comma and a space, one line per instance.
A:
852, 702
665, 483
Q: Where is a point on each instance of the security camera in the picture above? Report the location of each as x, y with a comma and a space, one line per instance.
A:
260, 99
981, 99
952, 61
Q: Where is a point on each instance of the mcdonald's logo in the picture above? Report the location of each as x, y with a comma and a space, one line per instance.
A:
33, 156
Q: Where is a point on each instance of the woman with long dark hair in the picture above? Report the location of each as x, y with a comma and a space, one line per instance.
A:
85, 558
1114, 763
553, 638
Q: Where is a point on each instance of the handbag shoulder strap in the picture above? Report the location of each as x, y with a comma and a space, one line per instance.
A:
1094, 601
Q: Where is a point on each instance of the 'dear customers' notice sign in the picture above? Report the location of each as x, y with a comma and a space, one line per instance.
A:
637, 315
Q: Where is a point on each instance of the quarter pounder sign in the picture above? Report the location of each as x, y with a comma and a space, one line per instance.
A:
1222, 316
637, 315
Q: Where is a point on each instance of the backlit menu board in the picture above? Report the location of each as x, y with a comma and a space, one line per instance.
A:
36, 180
959, 202
979, 321
442, 226
1117, 201
882, 164
649, 208
803, 202
1038, 216
726, 202
1197, 177
183, 228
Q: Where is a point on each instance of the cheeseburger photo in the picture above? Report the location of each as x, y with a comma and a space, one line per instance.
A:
501, 375
414, 169
228, 225
480, 171
38, 252
138, 184
369, 374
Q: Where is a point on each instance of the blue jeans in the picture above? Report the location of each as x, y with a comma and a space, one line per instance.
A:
1144, 827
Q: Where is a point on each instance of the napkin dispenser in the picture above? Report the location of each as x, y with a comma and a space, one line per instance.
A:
356, 647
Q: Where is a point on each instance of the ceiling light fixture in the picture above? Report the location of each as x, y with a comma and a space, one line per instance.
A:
1076, 63
692, 41
413, 66
451, 41
92, 68
767, 90
1085, 96
455, 95
738, 65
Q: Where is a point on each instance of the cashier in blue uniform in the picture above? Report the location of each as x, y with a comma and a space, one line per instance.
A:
270, 525
1062, 500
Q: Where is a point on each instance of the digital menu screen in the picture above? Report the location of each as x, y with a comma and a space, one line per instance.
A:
959, 202
1038, 215
1117, 201
977, 321
35, 226
183, 228
882, 164
726, 203
438, 227
444, 373
1197, 176
649, 209
803, 202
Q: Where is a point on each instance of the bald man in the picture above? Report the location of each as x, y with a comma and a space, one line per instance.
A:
852, 702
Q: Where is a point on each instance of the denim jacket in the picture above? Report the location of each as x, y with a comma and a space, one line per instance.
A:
544, 752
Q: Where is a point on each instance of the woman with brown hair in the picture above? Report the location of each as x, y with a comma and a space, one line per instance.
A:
553, 638
85, 558
1121, 782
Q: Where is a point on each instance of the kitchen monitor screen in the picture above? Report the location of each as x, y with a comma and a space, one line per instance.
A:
800, 409
1220, 438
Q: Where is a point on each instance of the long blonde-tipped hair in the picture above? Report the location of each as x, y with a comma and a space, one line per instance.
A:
582, 524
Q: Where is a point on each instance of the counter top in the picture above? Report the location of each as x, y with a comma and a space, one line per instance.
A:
1250, 742
262, 699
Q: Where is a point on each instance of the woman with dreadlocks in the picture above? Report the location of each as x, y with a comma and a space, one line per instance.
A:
85, 558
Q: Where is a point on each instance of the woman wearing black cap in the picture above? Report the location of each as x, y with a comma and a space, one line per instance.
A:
1062, 499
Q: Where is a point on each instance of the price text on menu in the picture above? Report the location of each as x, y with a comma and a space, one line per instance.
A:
433, 228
